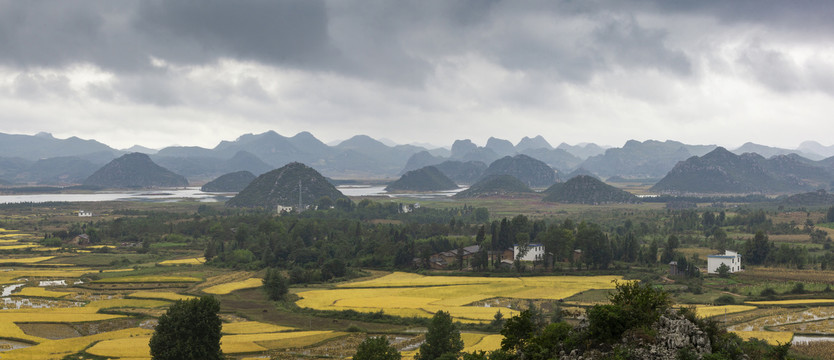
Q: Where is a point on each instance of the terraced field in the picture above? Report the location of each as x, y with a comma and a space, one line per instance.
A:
406, 294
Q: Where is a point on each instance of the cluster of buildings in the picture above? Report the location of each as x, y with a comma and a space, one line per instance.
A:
535, 253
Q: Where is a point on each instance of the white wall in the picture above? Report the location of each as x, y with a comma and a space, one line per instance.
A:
731, 258
534, 252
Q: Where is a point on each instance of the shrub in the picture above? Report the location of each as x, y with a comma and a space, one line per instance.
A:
725, 300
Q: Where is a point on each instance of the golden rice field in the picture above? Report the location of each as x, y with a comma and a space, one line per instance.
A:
58, 349
471, 343
226, 288
792, 302
137, 347
30, 260
40, 292
481, 342
129, 347
253, 327
101, 247
127, 303
189, 261
162, 295
17, 247
710, 311
8, 318
148, 278
406, 294
7, 277
772, 337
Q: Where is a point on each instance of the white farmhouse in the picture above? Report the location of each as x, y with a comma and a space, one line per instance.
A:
82, 213
535, 252
731, 258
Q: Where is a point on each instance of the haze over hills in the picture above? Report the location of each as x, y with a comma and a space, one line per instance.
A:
648, 159
533, 173
722, 171
231, 182
769, 151
495, 185
44, 159
44, 145
428, 178
135, 170
462, 172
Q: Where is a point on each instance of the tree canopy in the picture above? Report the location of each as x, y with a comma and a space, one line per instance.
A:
442, 338
190, 329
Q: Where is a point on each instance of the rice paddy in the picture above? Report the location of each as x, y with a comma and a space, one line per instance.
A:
162, 295
710, 311
40, 292
188, 261
793, 302
148, 279
137, 347
29, 260
253, 327
406, 294
771, 337
226, 288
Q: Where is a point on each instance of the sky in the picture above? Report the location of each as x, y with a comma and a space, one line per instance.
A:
195, 72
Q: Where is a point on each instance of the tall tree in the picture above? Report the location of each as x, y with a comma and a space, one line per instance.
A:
275, 284
190, 329
442, 338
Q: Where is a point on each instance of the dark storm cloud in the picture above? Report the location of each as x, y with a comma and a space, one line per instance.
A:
803, 15
272, 32
124, 35
398, 42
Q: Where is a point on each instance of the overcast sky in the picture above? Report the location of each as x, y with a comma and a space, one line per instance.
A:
159, 73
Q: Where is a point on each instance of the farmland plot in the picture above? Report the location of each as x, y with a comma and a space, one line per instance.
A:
405, 294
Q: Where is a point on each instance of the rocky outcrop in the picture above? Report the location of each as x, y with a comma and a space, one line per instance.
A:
672, 333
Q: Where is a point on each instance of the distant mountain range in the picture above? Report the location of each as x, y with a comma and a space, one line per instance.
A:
45, 160
721, 171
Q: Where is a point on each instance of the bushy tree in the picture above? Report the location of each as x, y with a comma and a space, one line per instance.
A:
376, 348
442, 339
190, 329
275, 284
723, 270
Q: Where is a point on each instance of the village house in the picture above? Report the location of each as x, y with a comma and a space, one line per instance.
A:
535, 252
731, 258
82, 213
446, 259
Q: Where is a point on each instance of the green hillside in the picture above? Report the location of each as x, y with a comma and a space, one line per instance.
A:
585, 189
281, 187
231, 182
428, 178
495, 185
135, 170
